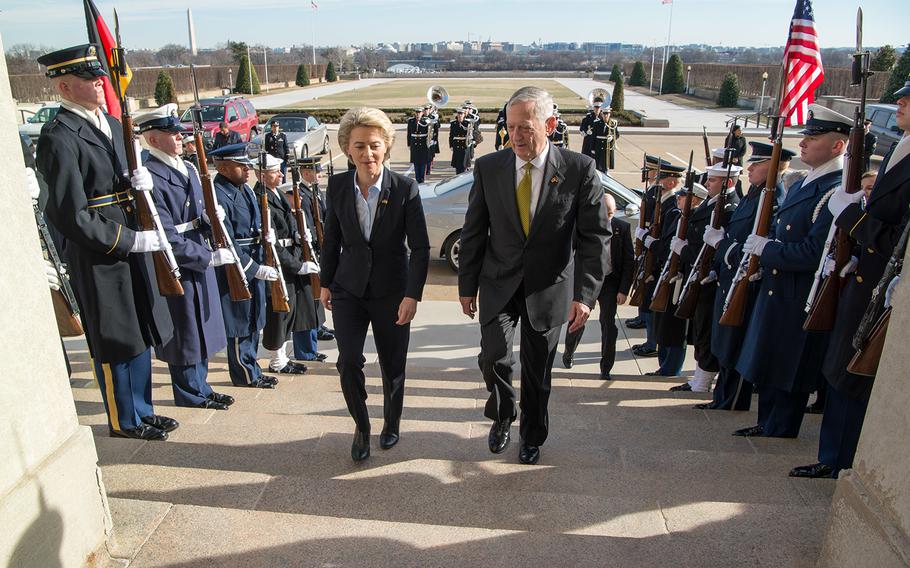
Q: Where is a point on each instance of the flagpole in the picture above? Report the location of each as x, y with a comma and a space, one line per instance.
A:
313, 29
666, 50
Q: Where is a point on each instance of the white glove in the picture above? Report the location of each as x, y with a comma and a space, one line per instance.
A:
649, 241
711, 277
308, 268
677, 244
713, 236
840, 199
755, 245
270, 237
889, 292
640, 234
266, 273
219, 213
828, 268
53, 279
31, 184
147, 241
141, 179
222, 256
308, 235
849, 267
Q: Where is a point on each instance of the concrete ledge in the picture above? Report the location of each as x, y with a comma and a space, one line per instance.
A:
655, 123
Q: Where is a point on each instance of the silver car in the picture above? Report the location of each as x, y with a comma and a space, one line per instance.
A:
445, 203
306, 135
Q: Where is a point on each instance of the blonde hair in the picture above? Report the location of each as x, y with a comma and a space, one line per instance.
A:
369, 117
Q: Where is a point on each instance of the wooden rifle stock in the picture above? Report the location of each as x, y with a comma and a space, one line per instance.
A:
865, 361
278, 292
66, 310
704, 139
645, 266
671, 271
305, 246
317, 216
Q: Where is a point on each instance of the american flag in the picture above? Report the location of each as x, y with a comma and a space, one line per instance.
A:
313, 5
803, 65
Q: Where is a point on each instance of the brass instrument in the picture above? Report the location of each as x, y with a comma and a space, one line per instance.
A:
599, 93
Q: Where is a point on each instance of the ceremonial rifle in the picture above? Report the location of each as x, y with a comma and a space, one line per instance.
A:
688, 299
869, 339
305, 245
317, 215
704, 139
738, 295
642, 219
236, 277
645, 266
66, 309
167, 272
278, 290
331, 166
821, 304
670, 273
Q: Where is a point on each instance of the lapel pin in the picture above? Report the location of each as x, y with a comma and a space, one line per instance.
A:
554, 179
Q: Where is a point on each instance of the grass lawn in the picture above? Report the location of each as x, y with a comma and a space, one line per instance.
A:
485, 93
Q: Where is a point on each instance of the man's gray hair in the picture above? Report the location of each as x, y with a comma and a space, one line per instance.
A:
543, 101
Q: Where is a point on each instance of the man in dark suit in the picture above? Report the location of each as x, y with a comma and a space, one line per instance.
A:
778, 355
83, 160
526, 208
876, 227
373, 219
615, 291
225, 137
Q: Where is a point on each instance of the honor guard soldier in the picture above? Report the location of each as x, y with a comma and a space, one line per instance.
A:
189, 150
777, 354
276, 144
306, 342
90, 202
418, 130
717, 157
732, 392
586, 128
700, 326
243, 320
875, 224
458, 140
280, 326
605, 132
198, 325
560, 135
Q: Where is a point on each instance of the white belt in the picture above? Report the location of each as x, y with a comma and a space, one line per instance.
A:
189, 225
459, 137
285, 242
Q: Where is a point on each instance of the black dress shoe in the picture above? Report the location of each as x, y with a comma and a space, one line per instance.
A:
222, 398
685, 387
262, 384
635, 324
606, 377
499, 436
161, 422
141, 432
360, 448
640, 351
212, 404
325, 334
750, 431
293, 369
320, 357
567, 360
814, 471
705, 406
528, 454
269, 379
388, 437
815, 408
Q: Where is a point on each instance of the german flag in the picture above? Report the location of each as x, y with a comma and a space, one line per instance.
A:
100, 35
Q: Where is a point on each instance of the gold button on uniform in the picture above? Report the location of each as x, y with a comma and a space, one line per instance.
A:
770, 292
788, 227
870, 251
859, 279
773, 271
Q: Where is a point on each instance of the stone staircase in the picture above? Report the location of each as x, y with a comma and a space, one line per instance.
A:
631, 475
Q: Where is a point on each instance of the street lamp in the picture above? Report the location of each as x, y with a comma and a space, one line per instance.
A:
230, 80
688, 72
761, 101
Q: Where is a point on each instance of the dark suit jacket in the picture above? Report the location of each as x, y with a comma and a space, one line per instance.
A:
622, 255
496, 257
352, 263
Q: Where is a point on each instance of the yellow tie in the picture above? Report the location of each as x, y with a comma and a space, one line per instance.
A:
523, 199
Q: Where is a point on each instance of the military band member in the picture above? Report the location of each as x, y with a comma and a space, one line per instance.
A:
277, 336
586, 128
777, 354
458, 140
706, 364
198, 325
243, 320
560, 135
502, 133
276, 144
432, 118
83, 160
417, 142
875, 224
306, 342
605, 131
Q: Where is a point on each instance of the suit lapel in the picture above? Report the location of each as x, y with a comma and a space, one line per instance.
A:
348, 205
553, 177
504, 184
385, 198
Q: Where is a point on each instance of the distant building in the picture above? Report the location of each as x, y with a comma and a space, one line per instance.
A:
403, 69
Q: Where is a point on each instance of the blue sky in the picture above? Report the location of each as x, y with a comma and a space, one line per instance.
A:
149, 24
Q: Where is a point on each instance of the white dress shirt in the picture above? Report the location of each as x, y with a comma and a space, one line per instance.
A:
830, 166
538, 164
366, 207
176, 163
899, 153
95, 118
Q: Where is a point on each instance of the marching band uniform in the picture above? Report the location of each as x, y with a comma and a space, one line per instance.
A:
458, 141
198, 324
433, 118
502, 131
777, 354
587, 123
418, 130
82, 159
560, 135
243, 320
605, 132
